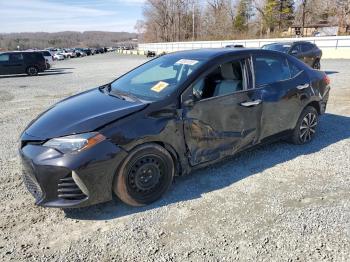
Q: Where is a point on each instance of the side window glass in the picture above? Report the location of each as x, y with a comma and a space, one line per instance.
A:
294, 69
4, 58
270, 69
16, 57
296, 49
226, 79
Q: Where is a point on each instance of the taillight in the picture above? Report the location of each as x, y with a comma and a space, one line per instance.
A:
326, 79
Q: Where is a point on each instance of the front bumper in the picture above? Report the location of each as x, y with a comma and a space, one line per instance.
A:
70, 180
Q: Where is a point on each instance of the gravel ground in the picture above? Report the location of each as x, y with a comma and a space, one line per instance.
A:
279, 202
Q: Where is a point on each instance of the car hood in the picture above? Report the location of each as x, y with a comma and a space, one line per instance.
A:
81, 113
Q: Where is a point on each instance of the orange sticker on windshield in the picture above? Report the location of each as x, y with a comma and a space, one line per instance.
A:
159, 87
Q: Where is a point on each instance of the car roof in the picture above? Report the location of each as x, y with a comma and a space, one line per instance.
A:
210, 53
290, 43
207, 53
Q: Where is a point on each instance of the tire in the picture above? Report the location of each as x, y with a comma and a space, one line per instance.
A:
317, 64
306, 127
145, 175
32, 71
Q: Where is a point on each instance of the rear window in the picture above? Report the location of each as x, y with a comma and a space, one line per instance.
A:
46, 53
307, 47
277, 47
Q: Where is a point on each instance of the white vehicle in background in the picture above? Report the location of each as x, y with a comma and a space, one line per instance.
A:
68, 53
58, 57
48, 57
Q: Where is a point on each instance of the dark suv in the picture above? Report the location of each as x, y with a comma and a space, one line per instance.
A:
30, 63
307, 52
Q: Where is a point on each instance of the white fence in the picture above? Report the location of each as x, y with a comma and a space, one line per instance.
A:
333, 42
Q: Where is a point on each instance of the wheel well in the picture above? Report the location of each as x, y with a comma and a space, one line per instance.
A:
31, 66
173, 154
315, 105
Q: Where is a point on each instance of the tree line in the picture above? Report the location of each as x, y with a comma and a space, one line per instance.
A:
185, 20
67, 39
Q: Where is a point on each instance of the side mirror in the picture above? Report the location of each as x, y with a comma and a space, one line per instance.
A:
188, 103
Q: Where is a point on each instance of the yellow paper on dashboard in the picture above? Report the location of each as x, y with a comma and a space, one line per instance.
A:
159, 87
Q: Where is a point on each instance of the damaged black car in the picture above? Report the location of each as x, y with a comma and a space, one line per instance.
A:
169, 116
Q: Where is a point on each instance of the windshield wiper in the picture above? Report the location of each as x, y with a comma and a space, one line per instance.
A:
119, 94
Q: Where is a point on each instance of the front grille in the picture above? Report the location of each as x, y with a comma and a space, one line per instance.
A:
30, 181
69, 190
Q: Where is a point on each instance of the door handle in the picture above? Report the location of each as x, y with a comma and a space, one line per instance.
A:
301, 87
251, 103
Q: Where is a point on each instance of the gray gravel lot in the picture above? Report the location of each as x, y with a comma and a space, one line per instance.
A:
279, 202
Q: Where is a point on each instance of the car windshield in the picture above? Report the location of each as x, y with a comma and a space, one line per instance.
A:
156, 79
278, 47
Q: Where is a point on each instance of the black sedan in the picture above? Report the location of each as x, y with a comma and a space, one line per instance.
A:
171, 115
307, 52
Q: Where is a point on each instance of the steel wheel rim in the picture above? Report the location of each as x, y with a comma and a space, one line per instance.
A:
146, 176
308, 127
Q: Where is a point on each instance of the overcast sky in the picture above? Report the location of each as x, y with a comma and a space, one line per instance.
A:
69, 15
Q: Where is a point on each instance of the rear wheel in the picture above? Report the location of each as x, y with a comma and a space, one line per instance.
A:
317, 64
145, 175
32, 71
306, 127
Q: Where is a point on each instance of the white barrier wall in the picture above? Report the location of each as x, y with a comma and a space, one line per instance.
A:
332, 47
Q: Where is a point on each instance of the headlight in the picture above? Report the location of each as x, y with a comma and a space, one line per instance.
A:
74, 143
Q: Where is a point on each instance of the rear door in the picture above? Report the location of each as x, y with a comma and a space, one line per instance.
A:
4, 64
221, 112
17, 63
283, 86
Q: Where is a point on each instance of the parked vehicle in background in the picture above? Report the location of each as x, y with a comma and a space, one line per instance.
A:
48, 56
87, 51
16, 62
167, 117
234, 46
100, 50
150, 53
308, 52
68, 53
58, 57
79, 52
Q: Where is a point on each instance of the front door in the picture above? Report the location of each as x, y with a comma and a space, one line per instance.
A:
221, 112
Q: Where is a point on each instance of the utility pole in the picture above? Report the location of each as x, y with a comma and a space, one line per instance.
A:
304, 12
193, 20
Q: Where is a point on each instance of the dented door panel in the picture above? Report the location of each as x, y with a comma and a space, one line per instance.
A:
220, 126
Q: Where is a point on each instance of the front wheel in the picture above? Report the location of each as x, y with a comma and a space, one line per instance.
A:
32, 71
144, 176
306, 127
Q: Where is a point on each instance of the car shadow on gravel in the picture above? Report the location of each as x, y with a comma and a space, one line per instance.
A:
49, 72
40, 74
331, 72
332, 129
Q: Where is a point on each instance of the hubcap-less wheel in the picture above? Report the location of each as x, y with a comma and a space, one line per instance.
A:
144, 176
317, 65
